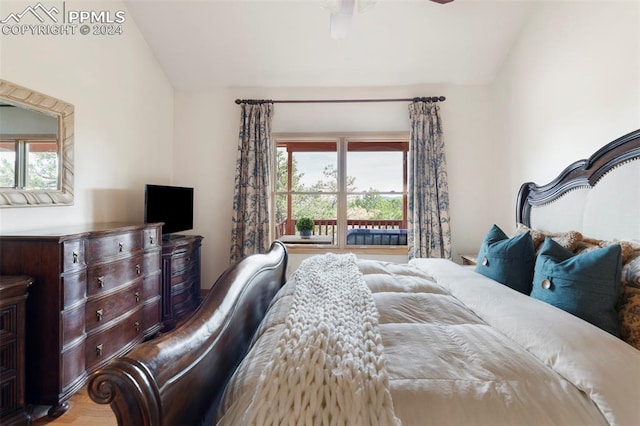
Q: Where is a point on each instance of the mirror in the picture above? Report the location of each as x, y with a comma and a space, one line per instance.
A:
36, 148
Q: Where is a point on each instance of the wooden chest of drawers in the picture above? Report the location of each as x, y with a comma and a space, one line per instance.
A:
13, 292
181, 278
96, 294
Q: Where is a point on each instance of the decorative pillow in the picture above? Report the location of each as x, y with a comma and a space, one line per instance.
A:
568, 240
629, 315
585, 285
631, 267
629, 300
588, 244
507, 260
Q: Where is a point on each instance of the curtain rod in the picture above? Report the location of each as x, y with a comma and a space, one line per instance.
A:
334, 101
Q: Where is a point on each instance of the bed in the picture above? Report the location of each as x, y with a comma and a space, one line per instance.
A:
445, 344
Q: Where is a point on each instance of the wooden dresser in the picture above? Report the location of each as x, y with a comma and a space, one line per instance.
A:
96, 293
181, 278
13, 292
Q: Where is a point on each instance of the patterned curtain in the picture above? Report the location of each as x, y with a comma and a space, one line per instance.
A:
250, 222
429, 234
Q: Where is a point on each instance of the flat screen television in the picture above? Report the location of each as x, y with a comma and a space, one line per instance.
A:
172, 205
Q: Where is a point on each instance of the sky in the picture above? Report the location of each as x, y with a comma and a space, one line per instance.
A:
378, 170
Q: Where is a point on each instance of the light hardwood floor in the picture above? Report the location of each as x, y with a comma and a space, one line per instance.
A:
82, 412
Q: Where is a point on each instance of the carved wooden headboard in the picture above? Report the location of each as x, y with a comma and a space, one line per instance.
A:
598, 196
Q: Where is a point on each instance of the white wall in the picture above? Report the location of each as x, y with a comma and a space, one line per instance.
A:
123, 116
206, 129
570, 84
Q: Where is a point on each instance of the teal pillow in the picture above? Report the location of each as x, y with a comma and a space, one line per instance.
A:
507, 260
585, 285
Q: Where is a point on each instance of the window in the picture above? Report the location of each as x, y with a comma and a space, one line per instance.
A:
353, 187
29, 163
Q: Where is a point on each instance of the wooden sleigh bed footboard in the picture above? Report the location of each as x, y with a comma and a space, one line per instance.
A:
179, 378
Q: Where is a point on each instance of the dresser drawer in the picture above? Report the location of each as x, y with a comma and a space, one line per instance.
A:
113, 245
152, 238
72, 365
114, 340
184, 307
182, 292
178, 279
74, 289
72, 325
73, 255
152, 314
182, 262
102, 309
8, 356
152, 286
8, 323
183, 287
109, 276
8, 395
152, 262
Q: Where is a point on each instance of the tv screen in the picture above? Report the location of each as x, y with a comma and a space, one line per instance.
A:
172, 205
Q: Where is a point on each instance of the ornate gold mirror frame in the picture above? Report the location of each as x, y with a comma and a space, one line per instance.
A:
30, 99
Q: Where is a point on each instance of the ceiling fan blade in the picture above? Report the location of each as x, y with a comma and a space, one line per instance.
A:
442, 1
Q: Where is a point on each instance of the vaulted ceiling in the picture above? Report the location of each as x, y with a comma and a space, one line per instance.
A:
264, 43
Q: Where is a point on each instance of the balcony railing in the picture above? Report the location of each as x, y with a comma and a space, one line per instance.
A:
329, 226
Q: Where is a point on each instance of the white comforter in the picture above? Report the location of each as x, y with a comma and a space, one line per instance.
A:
461, 349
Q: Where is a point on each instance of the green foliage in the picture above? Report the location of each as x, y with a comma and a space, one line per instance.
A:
304, 224
378, 207
43, 171
7, 174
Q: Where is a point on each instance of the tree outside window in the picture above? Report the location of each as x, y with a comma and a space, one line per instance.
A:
27, 163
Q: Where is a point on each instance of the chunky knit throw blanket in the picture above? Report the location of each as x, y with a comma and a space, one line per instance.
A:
327, 368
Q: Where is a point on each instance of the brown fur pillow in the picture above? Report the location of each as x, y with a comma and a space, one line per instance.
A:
568, 240
629, 315
588, 244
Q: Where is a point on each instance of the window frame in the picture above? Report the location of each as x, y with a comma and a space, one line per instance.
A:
341, 140
21, 160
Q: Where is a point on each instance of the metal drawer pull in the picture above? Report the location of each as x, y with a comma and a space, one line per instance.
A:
120, 246
99, 350
138, 269
137, 294
99, 314
100, 282
75, 257
137, 325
